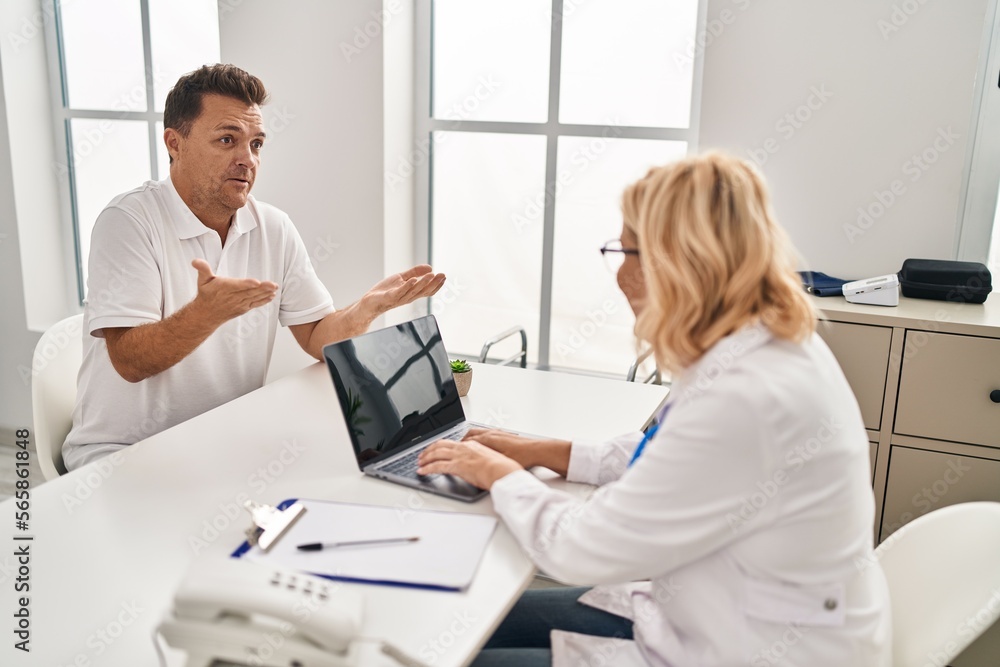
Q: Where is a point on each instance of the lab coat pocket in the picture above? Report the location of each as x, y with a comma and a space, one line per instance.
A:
570, 649
820, 605
615, 599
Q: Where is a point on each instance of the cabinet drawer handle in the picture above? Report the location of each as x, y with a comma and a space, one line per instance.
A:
995, 395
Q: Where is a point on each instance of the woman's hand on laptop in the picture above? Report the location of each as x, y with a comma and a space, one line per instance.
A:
474, 462
513, 446
529, 452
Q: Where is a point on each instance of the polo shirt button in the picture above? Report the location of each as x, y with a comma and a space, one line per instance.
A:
830, 604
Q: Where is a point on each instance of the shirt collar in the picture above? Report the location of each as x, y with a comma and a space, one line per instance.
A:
244, 221
188, 225
720, 359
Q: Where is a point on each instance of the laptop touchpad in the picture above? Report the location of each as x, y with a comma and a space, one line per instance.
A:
452, 485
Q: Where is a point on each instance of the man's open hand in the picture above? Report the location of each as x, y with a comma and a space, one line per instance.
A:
225, 298
400, 289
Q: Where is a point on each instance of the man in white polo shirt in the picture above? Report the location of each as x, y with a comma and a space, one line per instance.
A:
190, 276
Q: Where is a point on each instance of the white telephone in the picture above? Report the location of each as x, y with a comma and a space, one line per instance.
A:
250, 614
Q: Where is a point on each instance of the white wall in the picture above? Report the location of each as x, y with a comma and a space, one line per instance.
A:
18, 342
323, 161
34, 281
400, 147
49, 285
891, 84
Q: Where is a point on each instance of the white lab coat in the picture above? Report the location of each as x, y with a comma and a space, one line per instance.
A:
745, 527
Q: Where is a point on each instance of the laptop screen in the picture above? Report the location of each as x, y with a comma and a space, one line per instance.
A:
394, 386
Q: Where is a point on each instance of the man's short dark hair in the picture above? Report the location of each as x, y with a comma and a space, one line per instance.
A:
183, 103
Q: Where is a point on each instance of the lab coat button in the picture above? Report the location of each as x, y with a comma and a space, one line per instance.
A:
830, 604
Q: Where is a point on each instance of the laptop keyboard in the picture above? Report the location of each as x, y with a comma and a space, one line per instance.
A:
406, 466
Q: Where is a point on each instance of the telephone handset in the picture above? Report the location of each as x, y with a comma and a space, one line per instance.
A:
246, 613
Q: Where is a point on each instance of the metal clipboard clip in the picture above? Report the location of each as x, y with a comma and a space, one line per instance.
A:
270, 523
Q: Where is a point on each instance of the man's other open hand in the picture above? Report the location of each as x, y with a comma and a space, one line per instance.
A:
400, 289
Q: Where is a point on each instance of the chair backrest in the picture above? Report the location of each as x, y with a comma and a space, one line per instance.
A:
54, 366
653, 378
943, 570
522, 355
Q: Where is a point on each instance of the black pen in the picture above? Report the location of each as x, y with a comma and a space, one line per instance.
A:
318, 546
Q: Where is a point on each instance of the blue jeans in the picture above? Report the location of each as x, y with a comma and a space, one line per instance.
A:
522, 640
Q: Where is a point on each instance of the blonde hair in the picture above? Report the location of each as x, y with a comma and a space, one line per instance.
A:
713, 257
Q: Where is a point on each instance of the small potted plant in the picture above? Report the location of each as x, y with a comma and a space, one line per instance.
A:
462, 372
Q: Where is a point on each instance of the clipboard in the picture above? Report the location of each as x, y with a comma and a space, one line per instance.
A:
445, 558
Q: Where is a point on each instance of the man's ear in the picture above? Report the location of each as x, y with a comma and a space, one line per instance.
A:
172, 139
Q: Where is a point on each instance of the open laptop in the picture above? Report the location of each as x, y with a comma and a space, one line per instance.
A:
398, 396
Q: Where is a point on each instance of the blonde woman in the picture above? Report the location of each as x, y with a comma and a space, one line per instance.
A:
741, 532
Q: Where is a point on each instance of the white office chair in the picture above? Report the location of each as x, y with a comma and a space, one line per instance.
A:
55, 365
653, 378
943, 570
522, 355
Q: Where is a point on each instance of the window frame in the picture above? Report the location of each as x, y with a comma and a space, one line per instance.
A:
978, 222
552, 129
63, 116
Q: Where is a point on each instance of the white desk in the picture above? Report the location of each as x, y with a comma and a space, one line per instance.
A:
106, 544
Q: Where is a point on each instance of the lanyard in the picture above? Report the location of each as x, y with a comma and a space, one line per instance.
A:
649, 435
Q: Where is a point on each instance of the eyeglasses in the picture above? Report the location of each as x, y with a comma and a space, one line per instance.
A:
614, 254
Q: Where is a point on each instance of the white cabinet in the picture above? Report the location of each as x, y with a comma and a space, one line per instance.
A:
863, 353
921, 481
874, 454
945, 387
925, 375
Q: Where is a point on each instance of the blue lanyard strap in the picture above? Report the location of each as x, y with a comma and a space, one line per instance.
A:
642, 444
649, 436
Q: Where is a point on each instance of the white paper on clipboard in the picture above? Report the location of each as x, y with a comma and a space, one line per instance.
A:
446, 556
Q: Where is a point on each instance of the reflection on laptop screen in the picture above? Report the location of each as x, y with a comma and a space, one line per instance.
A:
394, 386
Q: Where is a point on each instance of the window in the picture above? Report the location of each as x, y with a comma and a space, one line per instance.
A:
979, 212
118, 60
538, 113
993, 263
